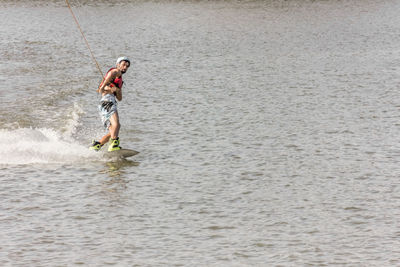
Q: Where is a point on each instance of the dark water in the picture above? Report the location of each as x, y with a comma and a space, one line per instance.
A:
268, 133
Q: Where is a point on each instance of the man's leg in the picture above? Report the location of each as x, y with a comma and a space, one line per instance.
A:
105, 139
114, 132
115, 126
113, 129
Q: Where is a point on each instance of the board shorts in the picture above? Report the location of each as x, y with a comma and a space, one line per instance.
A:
108, 106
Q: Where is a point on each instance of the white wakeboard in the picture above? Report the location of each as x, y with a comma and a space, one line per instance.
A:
121, 153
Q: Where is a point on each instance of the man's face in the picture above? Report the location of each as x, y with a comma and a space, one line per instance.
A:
123, 66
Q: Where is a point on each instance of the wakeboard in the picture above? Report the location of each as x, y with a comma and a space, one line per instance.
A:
122, 153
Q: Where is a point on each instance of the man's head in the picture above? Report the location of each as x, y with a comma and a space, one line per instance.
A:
123, 64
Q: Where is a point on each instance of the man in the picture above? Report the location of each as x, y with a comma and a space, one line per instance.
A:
110, 90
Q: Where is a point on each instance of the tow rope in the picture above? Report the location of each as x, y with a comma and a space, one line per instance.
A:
84, 38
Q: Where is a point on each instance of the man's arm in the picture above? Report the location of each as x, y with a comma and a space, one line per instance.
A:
117, 92
109, 78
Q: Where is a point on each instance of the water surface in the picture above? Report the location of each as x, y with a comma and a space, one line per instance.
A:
268, 134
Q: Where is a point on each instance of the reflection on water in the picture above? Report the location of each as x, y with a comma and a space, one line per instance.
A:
116, 168
118, 175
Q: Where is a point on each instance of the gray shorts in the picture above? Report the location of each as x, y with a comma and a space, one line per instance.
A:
108, 106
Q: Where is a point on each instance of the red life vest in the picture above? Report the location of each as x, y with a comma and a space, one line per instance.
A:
117, 81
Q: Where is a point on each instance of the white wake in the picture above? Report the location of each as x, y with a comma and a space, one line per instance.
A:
30, 146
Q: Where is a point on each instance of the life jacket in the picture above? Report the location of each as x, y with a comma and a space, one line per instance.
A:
117, 81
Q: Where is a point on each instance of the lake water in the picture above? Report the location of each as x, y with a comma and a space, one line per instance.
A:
268, 134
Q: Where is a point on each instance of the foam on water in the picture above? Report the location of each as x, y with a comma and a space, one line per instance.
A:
52, 143
48, 144
72, 123
30, 146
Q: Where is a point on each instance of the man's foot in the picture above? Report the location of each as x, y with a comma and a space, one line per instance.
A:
95, 146
114, 144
